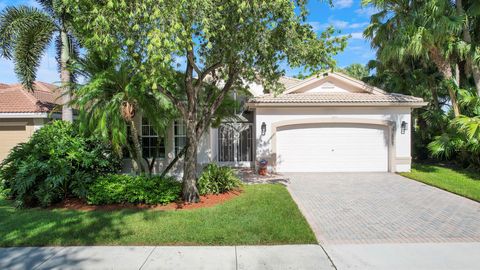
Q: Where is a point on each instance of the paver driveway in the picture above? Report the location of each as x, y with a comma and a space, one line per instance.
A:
367, 208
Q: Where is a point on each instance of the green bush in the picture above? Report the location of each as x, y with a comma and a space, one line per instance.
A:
119, 188
55, 163
216, 179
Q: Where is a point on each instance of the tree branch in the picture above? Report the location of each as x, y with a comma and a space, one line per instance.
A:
232, 75
206, 72
191, 60
172, 98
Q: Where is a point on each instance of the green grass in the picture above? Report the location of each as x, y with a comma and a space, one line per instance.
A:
263, 214
462, 182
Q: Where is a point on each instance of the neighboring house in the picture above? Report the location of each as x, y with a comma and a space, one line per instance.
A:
330, 123
22, 112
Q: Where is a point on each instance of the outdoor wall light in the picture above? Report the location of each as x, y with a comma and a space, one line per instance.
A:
264, 128
403, 127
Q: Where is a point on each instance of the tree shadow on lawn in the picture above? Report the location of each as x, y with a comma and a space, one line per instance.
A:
45, 227
432, 168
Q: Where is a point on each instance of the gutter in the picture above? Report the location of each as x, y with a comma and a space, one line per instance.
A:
251, 105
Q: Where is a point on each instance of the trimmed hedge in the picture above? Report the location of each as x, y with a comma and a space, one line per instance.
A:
122, 188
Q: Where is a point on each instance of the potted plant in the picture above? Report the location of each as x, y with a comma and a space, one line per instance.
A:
262, 167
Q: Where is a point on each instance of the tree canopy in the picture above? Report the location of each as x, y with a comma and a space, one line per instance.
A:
223, 44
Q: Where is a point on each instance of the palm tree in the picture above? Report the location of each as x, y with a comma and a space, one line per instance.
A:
25, 34
109, 101
420, 29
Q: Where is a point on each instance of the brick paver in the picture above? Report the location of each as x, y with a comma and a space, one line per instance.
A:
361, 208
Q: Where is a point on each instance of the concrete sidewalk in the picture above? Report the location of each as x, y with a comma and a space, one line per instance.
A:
166, 257
411, 256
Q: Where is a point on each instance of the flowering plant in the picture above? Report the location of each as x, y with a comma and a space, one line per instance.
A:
263, 163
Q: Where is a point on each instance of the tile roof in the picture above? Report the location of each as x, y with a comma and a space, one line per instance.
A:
289, 81
326, 98
15, 99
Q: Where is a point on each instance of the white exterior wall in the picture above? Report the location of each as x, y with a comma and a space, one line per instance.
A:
401, 159
205, 154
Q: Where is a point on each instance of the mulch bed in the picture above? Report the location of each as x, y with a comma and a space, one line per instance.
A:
205, 201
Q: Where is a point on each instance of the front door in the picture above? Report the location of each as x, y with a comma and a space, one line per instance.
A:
235, 144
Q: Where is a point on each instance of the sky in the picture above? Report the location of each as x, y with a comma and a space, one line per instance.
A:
347, 16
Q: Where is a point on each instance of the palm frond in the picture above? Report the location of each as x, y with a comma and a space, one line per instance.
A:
16, 20
25, 33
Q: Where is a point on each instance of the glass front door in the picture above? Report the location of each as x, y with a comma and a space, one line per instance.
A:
235, 142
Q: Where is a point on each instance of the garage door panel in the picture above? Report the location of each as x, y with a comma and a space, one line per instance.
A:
332, 148
11, 136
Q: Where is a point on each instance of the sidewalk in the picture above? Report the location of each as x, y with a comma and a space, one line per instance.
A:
166, 257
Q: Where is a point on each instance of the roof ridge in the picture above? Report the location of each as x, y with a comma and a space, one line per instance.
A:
292, 78
31, 97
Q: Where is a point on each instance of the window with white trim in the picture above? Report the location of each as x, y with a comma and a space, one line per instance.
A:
153, 146
179, 135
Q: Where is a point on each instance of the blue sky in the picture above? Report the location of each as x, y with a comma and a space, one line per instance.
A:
346, 16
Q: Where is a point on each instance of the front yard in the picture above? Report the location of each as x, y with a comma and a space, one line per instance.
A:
462, 182
263, 214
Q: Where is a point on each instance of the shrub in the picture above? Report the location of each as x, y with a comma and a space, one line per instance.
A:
119, 188
55, 163
216, 179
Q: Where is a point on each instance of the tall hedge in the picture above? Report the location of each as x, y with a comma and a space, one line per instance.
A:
55, 163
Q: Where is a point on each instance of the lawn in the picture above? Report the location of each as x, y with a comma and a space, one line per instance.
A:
263, 214
462, 182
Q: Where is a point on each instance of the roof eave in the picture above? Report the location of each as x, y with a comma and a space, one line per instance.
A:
337, 104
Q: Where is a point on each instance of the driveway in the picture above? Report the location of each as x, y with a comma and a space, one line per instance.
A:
383, 220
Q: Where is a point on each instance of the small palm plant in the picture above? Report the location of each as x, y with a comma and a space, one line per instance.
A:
111, 98
25, 34
462, 137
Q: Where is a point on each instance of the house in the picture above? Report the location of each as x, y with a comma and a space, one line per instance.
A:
327, 123
22, 112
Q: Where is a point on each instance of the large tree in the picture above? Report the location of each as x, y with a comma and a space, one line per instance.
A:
25, 34
217, 45
420, 29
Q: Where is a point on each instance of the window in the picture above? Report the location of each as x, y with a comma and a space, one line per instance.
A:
152, 144
180, 136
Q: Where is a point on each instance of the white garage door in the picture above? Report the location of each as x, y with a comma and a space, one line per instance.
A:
332, 148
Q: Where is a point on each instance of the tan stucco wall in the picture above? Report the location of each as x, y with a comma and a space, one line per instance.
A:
13, 132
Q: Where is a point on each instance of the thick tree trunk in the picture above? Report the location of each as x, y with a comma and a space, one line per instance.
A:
137, 148
445, 68
65, 77
190, 191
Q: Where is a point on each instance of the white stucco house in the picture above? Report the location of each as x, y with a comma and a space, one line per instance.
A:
327, 123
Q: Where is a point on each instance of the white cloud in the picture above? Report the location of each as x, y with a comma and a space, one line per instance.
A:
357, 35
33, 3
366, 11
337, 24
354, 35
47, 71
342, 3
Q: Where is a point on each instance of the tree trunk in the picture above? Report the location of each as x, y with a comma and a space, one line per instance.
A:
435, 97
445, 68
65, 77
137, 147
189, 190
476, 77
